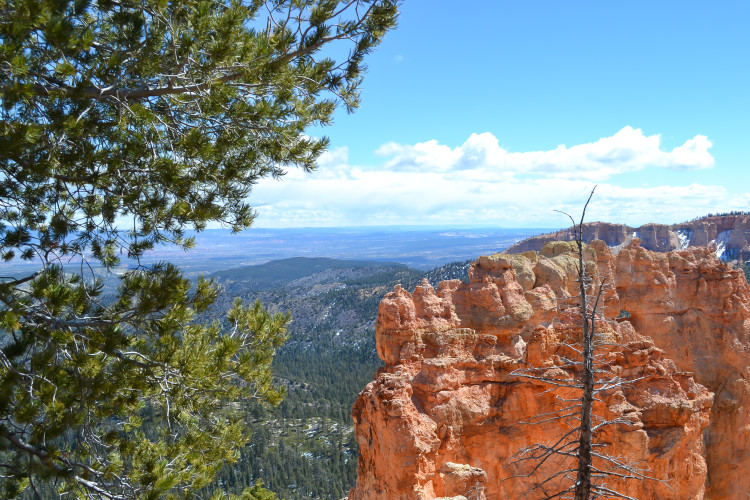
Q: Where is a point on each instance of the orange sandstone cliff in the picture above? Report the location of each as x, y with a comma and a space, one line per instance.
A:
449, 411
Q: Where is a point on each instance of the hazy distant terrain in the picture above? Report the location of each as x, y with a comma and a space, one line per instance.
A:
425, 249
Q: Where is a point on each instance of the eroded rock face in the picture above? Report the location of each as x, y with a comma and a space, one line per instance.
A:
729, 235
446, 415
698, 312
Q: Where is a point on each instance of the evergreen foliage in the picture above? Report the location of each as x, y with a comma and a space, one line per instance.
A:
735, 213
304, 448
122, 125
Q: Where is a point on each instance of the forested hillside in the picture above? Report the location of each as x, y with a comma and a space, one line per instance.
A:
305, 448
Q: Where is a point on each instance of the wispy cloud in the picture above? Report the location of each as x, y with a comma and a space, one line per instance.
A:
481, 183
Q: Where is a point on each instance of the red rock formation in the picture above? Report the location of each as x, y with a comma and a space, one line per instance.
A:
698, 312
445, 416
730, 233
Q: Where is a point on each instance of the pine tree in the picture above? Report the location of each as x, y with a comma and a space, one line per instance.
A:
123, 125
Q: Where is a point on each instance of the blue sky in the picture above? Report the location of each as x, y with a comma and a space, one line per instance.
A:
497, 113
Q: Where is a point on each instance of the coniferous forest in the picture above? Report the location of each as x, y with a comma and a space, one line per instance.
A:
305, 447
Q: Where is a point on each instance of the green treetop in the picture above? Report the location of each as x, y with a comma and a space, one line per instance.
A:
124, 124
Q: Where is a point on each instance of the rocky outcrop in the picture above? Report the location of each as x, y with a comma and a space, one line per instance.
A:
698, 312
729, 235
452, 408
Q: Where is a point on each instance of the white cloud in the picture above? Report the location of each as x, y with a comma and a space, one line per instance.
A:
481, 183
628, 150
334, 158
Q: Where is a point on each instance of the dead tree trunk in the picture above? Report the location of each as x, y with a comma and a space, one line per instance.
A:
570, 457
583, 476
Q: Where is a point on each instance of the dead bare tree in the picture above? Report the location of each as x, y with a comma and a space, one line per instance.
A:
574, 465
